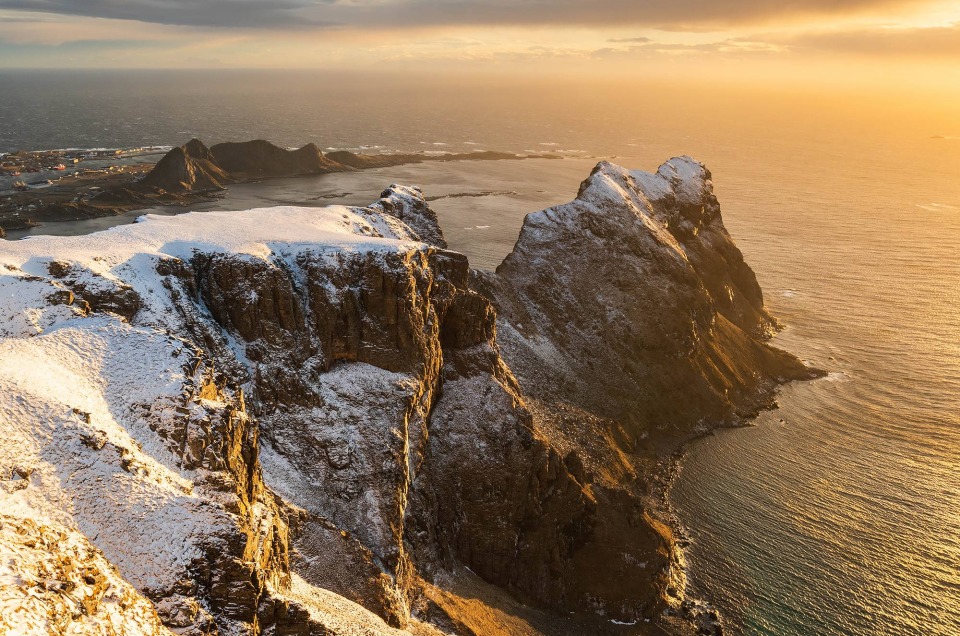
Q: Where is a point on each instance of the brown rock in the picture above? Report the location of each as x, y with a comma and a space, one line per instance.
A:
188, 168
259, 159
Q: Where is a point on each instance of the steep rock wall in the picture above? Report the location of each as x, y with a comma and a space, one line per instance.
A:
633, 303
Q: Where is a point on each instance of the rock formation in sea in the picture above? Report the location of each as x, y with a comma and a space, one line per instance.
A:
195, 169
321, 421
364, 162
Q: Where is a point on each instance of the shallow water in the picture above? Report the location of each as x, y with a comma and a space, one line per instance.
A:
842, 518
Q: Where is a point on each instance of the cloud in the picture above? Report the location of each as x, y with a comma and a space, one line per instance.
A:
248, 32
384, 14
200, 13
727, 46
875, 42
920, 42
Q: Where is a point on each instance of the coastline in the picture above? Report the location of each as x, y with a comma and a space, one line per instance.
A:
699, 610
694, 611
112, 186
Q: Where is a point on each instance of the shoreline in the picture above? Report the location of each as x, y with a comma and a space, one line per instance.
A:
699, 610
113, 184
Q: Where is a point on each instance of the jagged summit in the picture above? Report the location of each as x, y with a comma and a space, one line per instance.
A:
191, 167
679, 199
638, 267
319, 420
408, 204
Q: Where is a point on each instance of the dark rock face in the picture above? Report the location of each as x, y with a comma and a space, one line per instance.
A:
329, 557
691, 213
497, 496
96, 293
189, 168
389, 413
383, 386
211, 433
344, 370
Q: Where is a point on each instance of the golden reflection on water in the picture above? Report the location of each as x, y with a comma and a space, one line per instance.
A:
846, 517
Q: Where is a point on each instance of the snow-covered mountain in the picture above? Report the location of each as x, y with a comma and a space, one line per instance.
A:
319, 421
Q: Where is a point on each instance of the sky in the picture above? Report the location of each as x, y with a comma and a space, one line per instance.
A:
907, 42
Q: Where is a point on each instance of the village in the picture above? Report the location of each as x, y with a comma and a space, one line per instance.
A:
48, 185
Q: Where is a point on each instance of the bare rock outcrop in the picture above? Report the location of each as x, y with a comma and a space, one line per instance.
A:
188, 168
408, 205
633, 303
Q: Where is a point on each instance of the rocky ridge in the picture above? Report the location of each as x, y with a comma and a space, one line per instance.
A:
320, 421
677, 325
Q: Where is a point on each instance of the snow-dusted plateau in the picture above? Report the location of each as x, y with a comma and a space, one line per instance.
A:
321, 421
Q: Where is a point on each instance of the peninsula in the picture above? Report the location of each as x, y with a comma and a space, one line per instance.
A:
184, 175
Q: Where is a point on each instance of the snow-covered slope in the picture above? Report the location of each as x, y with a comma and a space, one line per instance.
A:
119, 427
53, 581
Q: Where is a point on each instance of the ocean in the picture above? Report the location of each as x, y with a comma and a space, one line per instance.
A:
838, 513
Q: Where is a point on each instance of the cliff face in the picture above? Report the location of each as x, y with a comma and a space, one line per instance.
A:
633, 303
307, 421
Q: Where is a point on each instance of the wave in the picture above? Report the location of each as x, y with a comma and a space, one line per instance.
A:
936, 207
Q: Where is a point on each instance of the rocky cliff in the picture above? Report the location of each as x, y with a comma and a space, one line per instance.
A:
320, 421
633, 303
